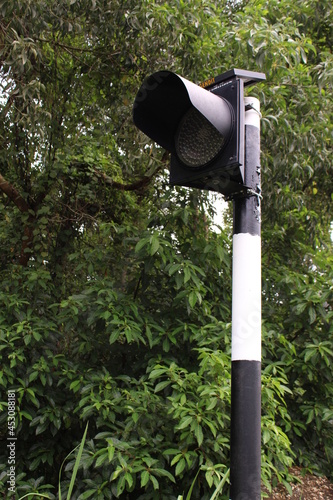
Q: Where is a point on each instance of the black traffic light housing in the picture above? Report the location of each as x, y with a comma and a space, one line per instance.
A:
201, 125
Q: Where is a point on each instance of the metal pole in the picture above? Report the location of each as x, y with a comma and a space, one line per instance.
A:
245, 440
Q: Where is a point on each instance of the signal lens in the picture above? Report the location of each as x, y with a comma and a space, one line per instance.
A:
197, 141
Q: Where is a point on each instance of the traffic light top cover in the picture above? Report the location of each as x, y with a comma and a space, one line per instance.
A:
248, 78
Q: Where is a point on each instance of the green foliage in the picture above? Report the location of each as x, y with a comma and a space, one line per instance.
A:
115, 289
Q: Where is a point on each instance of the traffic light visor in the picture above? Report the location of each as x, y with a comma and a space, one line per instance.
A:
182, 117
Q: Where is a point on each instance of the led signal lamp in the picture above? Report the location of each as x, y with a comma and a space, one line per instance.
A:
201, 125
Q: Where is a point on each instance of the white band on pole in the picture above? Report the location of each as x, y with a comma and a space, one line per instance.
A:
246, 303
252, 114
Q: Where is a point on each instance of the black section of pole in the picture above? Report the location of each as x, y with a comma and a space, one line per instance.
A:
245, 438
247, 210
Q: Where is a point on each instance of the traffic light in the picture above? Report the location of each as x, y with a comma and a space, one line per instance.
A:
202, 126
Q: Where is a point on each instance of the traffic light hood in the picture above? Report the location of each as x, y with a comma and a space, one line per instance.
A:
164, 99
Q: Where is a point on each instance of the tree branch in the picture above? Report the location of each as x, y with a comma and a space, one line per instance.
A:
13, 195
23, 206
124, 187
134, 186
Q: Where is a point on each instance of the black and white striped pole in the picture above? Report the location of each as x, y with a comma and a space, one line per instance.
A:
246, 323
213, 134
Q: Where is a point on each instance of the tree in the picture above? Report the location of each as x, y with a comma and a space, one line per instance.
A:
115, 289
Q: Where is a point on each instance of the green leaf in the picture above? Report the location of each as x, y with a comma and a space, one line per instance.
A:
312, 314
162, 385
129, 479
187, 274
155, 245
101, 459
180, 466
174, 268
192, 299
157, 373
111, 450
33, 375
185, 422
309, 353
198, 433
266, 435
26, 415
114, 337
310, 417
87, 494
176, 458
75, 385
144, 478
155, 482
141, 244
